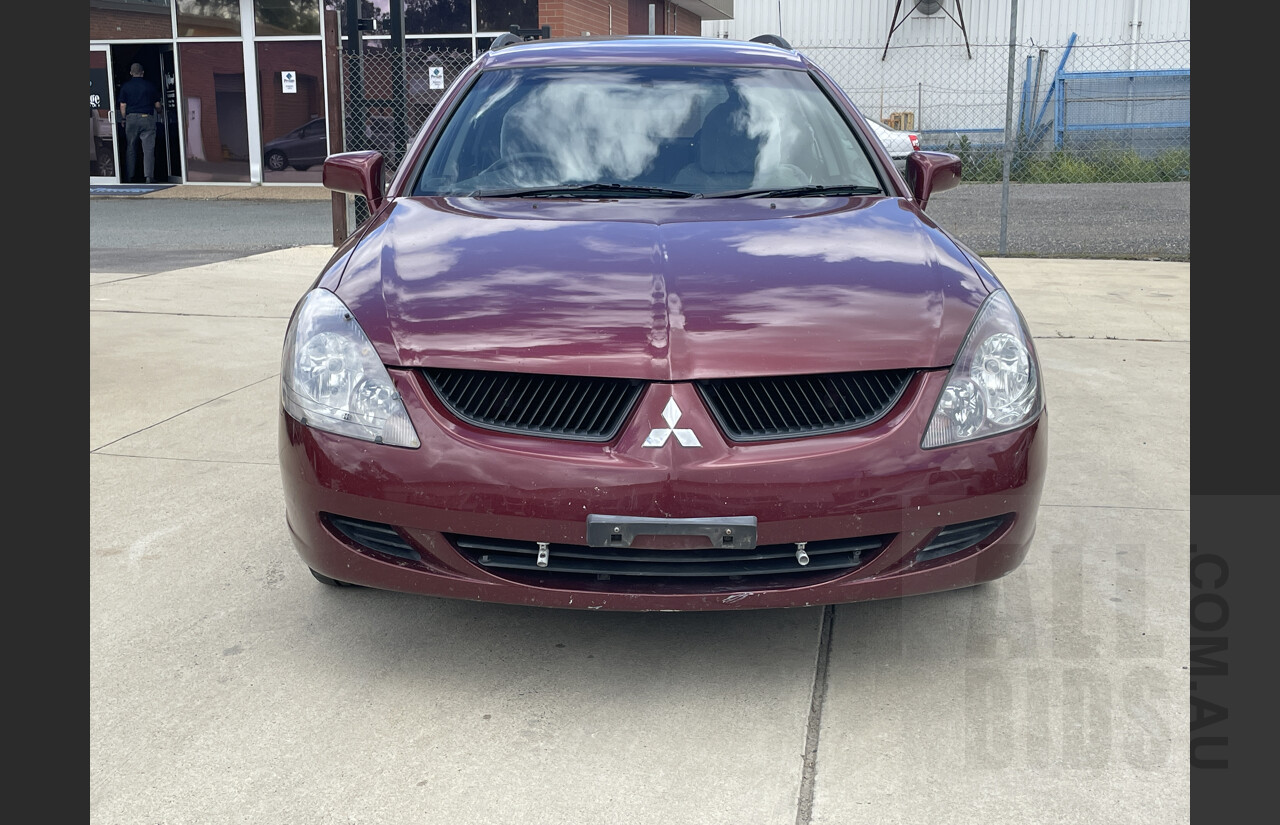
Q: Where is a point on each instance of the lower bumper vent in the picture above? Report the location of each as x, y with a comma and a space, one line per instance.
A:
957, 537
833, 557
372, 535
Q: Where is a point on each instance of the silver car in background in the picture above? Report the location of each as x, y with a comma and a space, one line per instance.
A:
897, 143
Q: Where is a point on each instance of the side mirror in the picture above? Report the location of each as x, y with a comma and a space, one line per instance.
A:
356, 173
929, 172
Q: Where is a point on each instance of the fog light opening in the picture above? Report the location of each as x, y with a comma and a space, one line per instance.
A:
956, 538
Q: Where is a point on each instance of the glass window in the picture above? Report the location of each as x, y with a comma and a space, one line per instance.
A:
501, 15
704, 130
216, 122
101, 129
291, 96
129, 19
208, 18
286, 17
420, 16
437, 16
376, 10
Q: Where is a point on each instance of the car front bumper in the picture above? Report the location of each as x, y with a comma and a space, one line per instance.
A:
467, 487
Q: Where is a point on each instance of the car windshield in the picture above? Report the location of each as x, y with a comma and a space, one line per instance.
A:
646, 131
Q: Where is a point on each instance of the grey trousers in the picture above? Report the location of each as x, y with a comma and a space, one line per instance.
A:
140, 129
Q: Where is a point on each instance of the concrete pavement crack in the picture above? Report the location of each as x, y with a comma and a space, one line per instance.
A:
804, 811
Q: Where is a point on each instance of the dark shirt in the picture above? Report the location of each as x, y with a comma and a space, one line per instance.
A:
140, 96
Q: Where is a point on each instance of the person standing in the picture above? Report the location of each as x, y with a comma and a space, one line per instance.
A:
140, 106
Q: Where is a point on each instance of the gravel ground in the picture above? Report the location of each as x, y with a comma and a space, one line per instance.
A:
1134, 221
1139, 221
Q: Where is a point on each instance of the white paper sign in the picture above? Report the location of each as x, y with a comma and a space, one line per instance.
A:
435, 76
289, 82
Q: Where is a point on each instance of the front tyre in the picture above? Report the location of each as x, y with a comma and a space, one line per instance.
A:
276, 161
323, 579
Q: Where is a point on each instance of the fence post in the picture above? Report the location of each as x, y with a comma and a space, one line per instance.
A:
333, 115
399, 92
1008, 131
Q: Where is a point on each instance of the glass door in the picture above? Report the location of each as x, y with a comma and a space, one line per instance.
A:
169, 131
102, 118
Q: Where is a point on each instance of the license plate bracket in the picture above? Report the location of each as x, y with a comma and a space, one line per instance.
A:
738, 532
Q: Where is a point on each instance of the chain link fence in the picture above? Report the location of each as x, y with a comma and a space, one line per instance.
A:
387, 95
1080, 112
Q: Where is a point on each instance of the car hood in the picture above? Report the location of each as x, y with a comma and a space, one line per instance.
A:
660, 290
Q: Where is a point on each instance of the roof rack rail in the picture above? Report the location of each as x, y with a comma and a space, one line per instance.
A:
519, 35
772, 40
503, 40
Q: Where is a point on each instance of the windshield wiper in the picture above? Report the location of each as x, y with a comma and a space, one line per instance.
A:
587, 189
801, 191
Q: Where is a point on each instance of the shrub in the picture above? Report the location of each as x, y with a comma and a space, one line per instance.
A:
1096, 163
1174, 164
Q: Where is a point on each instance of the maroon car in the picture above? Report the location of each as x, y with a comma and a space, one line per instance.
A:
654, 323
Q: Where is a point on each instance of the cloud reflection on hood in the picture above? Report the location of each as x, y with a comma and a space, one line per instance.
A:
877, 240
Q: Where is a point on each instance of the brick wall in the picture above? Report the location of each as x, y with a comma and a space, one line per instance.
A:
116, 24
570, 18
683, 21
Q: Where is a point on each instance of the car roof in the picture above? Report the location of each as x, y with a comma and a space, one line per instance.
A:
643, 49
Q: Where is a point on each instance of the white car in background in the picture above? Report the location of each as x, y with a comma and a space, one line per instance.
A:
897, 143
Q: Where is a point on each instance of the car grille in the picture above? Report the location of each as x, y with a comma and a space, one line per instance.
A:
594, 408
557, 406
834, 556
759, 409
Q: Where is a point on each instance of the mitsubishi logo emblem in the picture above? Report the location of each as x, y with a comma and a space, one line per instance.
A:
659, 435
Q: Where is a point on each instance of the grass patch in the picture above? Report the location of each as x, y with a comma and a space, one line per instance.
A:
1096, 164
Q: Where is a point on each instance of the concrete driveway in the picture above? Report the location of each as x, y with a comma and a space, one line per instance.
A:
226, 685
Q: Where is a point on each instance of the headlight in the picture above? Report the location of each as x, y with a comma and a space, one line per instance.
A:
331, 377
994, 385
